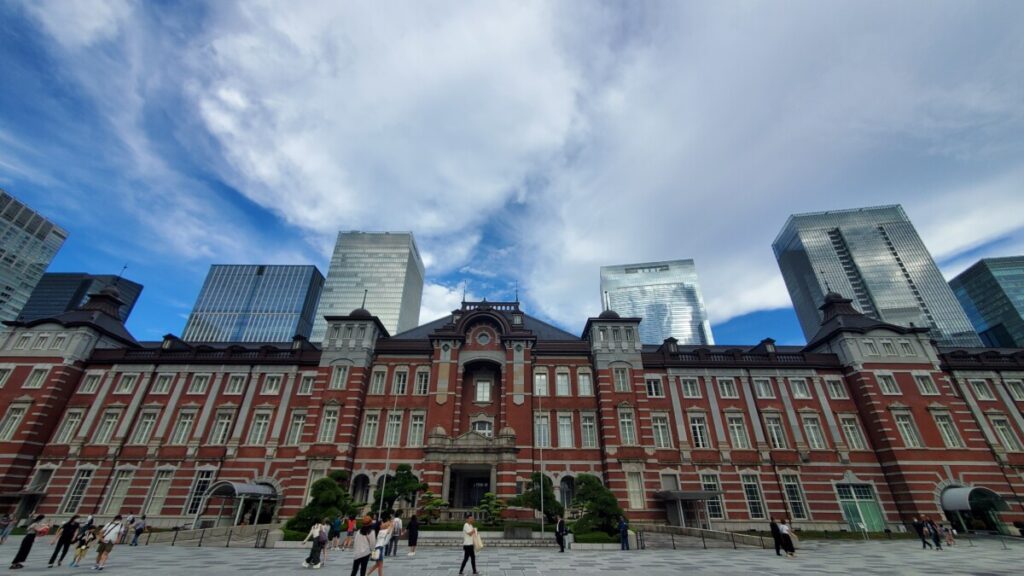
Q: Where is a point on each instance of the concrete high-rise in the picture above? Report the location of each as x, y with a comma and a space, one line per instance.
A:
255, 303
992, 295
28, 243
384, 265
875, 257
665, 294
59, 292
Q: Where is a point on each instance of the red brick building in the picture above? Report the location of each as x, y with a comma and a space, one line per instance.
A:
869, 424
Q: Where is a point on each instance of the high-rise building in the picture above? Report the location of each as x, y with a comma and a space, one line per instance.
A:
992, 294
255, 303
28, 242
665, 294
875, 257
386, 266
59, 292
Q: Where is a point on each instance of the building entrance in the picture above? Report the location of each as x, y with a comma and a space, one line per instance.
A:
468, 484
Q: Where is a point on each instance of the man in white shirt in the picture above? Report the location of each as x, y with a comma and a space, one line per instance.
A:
396, 532
109, 535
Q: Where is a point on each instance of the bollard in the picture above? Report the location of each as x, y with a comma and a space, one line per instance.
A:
733, 540
702, 540
201, 534
228, 543
673, 541
175, 539
148, 535
1003, 542
763, 547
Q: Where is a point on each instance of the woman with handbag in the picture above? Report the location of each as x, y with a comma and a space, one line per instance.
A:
383, 538
318, 533
37, 527
470, 540
362, 545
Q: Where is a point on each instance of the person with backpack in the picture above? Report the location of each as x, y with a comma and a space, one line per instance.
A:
318, 533
82, 544
109, 535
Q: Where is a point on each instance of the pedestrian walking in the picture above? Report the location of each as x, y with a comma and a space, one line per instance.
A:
776, 536
37, 528
362, 545
469, 540
623, 533
82, 544
139, 528
318, 533
64, 538
350, 530
396, 533
129, 526
381, 544
413, 532
788, 538
109, 535
336, 532
87, 526
6, 525
560, 533
934, 532
919, 527
949, 532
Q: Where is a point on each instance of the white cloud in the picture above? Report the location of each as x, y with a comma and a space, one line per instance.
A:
80, 23
439, 300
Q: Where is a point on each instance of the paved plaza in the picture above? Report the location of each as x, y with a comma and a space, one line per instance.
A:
987, 557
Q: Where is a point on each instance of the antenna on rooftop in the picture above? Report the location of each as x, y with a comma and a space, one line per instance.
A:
363, 306
120, 274
604, 301
464, 290
517, 291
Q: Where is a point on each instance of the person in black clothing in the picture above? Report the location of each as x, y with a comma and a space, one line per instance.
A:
919, 528
66, 534
623, 533
560, 533
934, 532
776, 537
414, 534
34, 528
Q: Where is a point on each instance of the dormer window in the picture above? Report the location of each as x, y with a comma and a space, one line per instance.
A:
517, 319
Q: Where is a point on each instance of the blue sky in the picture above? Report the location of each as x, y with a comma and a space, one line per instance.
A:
522, 142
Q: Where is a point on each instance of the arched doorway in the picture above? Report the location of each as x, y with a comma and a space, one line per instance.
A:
974, 508
250, 504
361, 489
567, 490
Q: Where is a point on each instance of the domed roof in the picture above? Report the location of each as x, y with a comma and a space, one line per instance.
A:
360, 313
609, 315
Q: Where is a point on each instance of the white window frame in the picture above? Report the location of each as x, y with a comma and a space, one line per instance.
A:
886, 389
271, 384
926, 385
794, 492
5, 374
22, 342
627, 427
126, 383
947, 429
140, 435
981, 389
58, 342
200, 484
540, 383
41, 341
699, 431
422, 386
162, 383
120, 485
815, 433
542, 430
855, 440
199, 384
306, 384
296, 428
371, 429
482, 391
727, 389
908, 430
588, 421
691, 388
182, 429
889, 348
635, 490
12, 420
662, 433
484, 428
753, 480
836, 389
563, 386
870, 348
377, 380
620, 377
259, 428
801, 389
159, 488
655, 387
712, 483
1007, 435
584, 383
339, 378
776, 432
737, 426
33, 382
329, 425
400, 382
1014, 386
69, 426
220, 431
77, 489
107, 435
763, 388
393, 429
906, 348
417, 429
564, 428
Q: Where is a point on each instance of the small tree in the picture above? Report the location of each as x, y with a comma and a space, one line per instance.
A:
325, 497
431, 505
490, 508
404, 485
601, 507
531, 498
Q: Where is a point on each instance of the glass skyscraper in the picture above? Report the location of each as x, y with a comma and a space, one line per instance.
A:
387, 266
28, 242
59, 292
992, 294
874, 257
665, 294
255, 303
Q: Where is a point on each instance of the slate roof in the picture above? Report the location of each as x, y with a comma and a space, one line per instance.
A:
541, 329
839, 315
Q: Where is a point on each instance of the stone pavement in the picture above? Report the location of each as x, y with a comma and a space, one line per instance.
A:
987, 557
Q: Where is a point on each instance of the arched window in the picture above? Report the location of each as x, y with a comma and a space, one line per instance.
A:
483, 428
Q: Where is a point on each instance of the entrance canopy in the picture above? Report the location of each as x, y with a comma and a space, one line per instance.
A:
227, 489
972, 497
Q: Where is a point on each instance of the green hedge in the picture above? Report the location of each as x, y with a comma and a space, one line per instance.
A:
293, 535
596, 538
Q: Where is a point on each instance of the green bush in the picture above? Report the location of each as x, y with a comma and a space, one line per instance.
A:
531, 498
601, 507
293, 535
595, 538
327, 500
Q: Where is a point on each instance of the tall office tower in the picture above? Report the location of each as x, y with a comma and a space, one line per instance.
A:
255, 303
665, 294
387, 266
875, 257
59, 292
28, 242
992, 294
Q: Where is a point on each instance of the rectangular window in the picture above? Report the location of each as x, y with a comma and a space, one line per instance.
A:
907, 349
727, 388
752, 491
815, 435
236, 382
699, 431
794, 496
981, 390
669, 482
654, 388
588, 430
377, 383
22, 342
40, 342
947, 429
182, 428
662, 439
118, 490
258, 428
105, 429
11, 422
41, 480
199, 487
296, 427
271, 385
540, 384
68, 428
158, 492
562, 387
776, 433
542, 430
221, 429
1016, 388
585, 384
800, 389
417, 427
198, 384
908, 430
854, 436
5, 373
764, 388
1006, 434
565, 431
339, 377
90, 384
162, 385
627, 429
738, 432
76, 491
691, 388
329, 426
888, 348
144, 428
306, 385
621, 376
887, 383
870, 348
635, 489
710, 483
393, 431
58, 342
36, 378
399, 383
126, 384
422, 383
371, 423
483, 391
836, 389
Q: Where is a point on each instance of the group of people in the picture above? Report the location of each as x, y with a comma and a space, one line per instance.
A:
784, 537
927, 529
371, 540
78, 535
